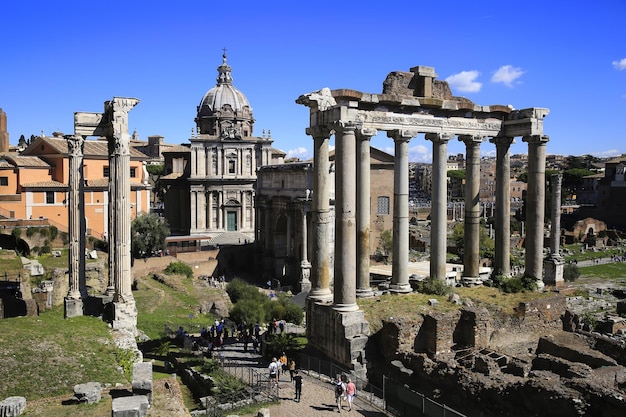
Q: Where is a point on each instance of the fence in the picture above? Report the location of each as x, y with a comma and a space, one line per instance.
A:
393, 398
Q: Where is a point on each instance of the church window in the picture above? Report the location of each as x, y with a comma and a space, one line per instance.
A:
133, 172
382, 207
105, 172
49, 197
231, 166
4, 180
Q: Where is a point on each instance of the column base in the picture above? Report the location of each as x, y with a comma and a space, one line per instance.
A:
321, 295
400, 288
73, 307
345, 308
471, 281
364, 293
553, 271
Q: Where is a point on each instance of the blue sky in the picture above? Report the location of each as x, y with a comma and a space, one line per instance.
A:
66, 56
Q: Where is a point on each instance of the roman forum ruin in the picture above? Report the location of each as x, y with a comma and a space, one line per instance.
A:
411, 103
112, 124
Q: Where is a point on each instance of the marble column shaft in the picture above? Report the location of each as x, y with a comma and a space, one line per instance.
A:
345, 218
535, 204
363, 183
555, 233
400, 261
320, 268
76, 211
119, 189
502, 262
438, 223
471, 239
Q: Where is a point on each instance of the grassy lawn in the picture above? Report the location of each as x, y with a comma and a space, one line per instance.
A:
615, 271
46, 356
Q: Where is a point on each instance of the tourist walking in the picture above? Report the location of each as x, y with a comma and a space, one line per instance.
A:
292, 368
297, 381
283, 364
340, 391
273, 369
350, 393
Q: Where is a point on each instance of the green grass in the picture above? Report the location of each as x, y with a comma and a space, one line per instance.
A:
46, 356
610, 271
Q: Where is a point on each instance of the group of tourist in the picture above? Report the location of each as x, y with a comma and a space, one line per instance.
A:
345, 390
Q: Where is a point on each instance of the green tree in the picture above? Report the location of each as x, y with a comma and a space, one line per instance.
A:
385, 242
486, 244
458, 174
148, 233
155, 172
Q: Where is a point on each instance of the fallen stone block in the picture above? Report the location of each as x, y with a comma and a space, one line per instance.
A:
91, 392
263, 412
142, 379
135, 406
12, 406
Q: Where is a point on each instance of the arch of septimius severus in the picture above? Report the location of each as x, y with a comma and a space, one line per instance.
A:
412, 103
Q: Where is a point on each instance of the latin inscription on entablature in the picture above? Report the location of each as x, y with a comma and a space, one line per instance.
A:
428, 124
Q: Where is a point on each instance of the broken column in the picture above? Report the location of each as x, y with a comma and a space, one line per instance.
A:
554, 264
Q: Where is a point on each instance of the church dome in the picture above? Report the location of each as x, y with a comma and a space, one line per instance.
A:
224, 110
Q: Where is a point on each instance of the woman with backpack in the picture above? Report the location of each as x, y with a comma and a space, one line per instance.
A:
340, 392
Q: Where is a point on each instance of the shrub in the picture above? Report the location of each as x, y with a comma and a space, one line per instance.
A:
45, 249
248, 311
288, 343
179, 268
53, 232
570, 272
293, 313
238, 289
31, 231
433, 286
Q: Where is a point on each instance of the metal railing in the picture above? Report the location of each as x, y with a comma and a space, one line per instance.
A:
252, 377
393, 397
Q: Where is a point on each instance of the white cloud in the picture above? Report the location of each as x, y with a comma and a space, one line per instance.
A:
300, 152
620, 65
506, 74
607, 154
465, 81
420, 153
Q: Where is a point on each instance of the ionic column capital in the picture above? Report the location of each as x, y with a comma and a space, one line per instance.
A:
402, 134
539, 139
502, 140
366, 133
321, 131
471, 140
439, 137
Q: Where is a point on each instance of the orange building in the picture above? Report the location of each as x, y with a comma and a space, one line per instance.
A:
34, 183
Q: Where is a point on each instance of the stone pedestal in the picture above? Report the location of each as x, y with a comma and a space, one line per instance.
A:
124, 315
340, 335
73, 307
553, 271
305, 274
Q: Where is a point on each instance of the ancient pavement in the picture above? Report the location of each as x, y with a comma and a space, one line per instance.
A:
318, 397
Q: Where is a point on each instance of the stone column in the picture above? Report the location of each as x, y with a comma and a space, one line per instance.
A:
119, 189
400, 262
471, 239
502, 262
345, 218
535, 204
363, 208
438, 213
76, 211
305, 265
220, 210
244, 209
554, 264
320, 268
209, 204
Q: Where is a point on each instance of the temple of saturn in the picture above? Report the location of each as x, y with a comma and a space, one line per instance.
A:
412, 103
118, 301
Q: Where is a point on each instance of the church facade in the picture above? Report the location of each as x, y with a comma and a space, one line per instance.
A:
211, 181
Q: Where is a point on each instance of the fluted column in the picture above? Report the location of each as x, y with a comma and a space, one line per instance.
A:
438, 214
76, 212
400, 261
305, 265
119, 186
502, 263
471, 239
345, 218
535, 204
363, 208
320, 268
